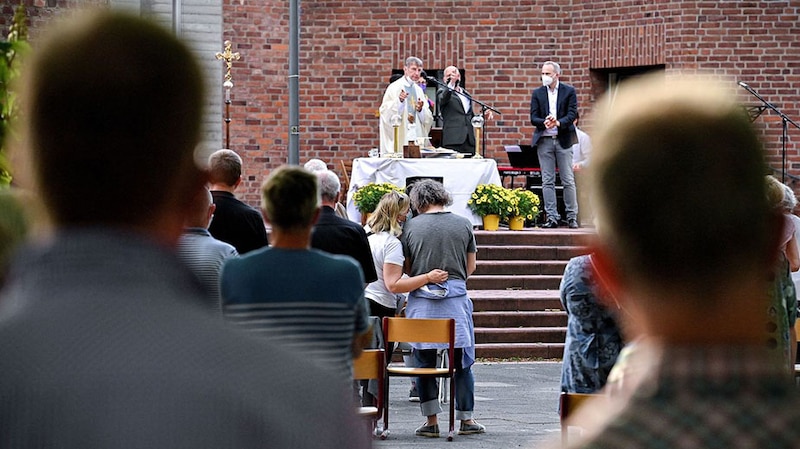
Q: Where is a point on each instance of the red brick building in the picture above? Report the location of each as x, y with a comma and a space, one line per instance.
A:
348, 50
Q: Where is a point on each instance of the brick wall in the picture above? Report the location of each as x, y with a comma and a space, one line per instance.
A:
348, 49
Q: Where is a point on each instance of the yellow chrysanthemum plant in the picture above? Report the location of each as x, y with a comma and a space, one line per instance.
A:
489, 199
368, 196
527, 204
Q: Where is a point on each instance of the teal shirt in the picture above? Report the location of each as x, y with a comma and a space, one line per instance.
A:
308, 300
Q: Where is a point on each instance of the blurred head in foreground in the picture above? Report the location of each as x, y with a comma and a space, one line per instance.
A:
113, 117
682, 214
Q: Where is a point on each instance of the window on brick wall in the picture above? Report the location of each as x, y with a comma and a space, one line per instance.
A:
609, 79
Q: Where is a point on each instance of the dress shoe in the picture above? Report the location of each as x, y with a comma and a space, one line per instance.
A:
549, 224
573, 223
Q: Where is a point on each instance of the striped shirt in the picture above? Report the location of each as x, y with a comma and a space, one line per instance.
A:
204, 255
308, 300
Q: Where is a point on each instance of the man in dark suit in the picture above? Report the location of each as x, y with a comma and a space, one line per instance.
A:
336, 235
554, 107
456, 110
234, 222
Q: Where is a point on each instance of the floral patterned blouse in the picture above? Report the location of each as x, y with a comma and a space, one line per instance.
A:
593, 339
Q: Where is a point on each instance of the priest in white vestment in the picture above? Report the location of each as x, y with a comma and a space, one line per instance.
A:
405, 99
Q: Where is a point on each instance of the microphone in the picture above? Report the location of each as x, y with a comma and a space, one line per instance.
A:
743, 84
431, 79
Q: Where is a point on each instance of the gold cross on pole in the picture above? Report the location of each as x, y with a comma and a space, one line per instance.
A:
228, 56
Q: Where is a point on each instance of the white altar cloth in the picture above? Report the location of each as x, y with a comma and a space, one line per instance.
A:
460, 177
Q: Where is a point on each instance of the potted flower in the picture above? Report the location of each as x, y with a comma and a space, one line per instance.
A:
526, 207
368, 196
492, 202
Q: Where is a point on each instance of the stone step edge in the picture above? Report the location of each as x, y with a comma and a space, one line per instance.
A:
513, 293
524, 276
521, 261
508, 330
520, 312
533, 247
513, 351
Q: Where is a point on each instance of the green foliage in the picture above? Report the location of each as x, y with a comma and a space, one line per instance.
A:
11, 51
367, 197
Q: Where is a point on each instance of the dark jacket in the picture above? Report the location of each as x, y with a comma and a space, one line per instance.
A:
236, 223
336, 235
566, 111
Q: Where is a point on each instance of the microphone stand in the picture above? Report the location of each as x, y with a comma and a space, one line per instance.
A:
785, 120
484, 108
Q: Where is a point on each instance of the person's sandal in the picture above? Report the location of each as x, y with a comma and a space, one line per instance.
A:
470, 429
427, 431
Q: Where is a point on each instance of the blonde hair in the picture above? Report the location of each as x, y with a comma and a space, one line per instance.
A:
775, 193
384, 219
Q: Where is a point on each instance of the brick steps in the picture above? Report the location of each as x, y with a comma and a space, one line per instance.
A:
517, 312
529, 252
523, 282
520, 334
520, 350
513, 300
520, 319
509, 267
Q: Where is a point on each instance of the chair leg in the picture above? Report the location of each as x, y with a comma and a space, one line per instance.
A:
452, 408
442, 355
385, 432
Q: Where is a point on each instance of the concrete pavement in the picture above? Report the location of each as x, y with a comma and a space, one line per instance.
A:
516, 401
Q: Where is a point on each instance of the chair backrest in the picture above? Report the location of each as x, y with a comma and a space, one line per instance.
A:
347, 168
419, 330
369, 365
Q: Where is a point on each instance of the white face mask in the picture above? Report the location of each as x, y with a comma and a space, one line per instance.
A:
547, 80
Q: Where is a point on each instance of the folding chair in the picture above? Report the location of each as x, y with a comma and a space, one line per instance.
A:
569, 403
419, 330
371, 364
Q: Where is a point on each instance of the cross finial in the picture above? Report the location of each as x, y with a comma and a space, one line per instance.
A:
228, 56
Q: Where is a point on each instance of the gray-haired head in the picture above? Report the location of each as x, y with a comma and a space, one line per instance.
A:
426, 193
315, 165
556, 67
413, 60
329, 186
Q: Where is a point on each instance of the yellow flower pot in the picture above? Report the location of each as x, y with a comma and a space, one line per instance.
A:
516, 223
491, 222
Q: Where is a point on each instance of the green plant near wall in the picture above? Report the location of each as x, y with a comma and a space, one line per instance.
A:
11, 51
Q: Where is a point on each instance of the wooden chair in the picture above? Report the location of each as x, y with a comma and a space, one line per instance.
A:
419, 330
569, 403
371, 365
347, 168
